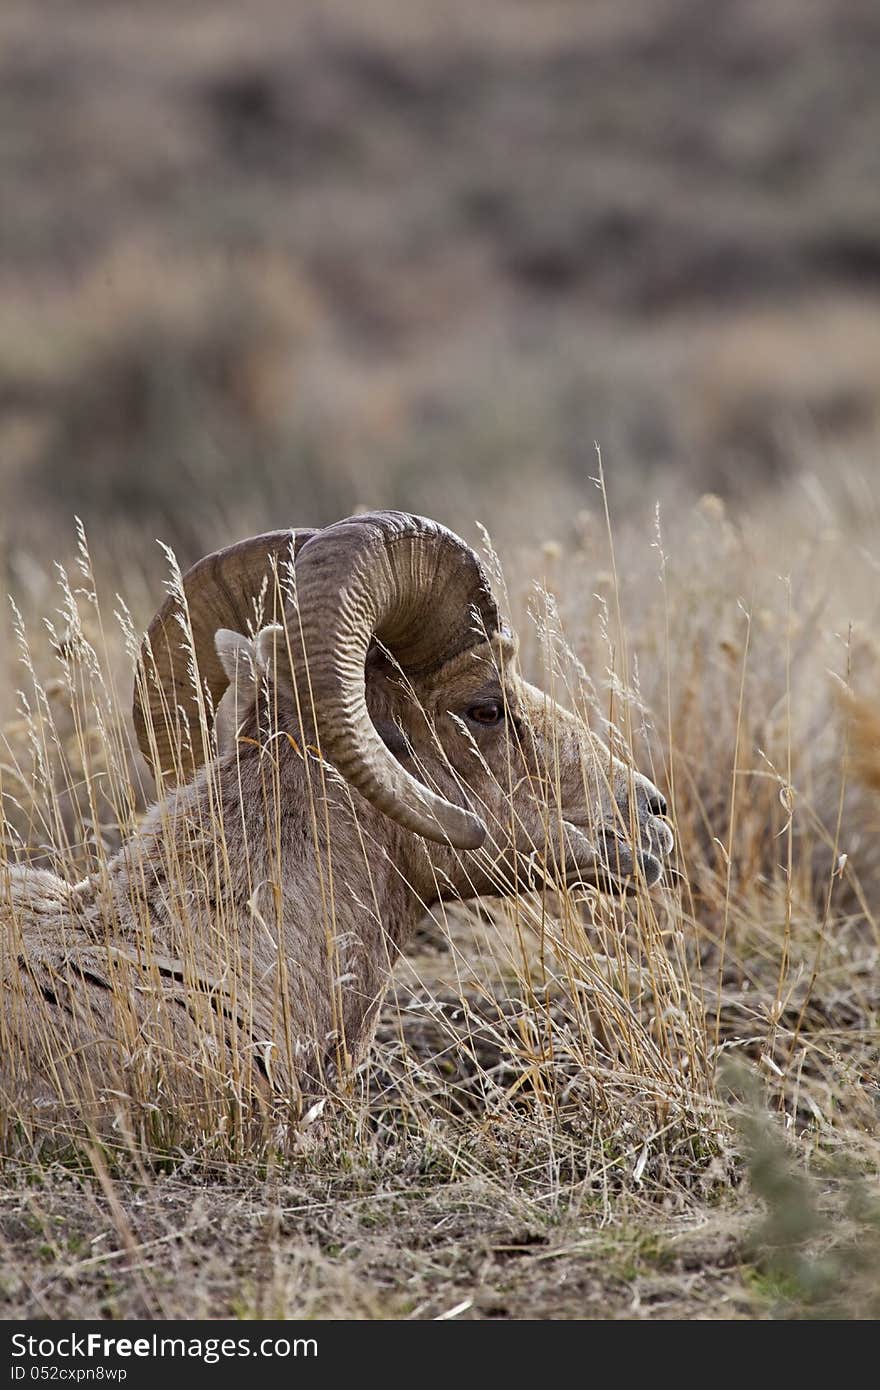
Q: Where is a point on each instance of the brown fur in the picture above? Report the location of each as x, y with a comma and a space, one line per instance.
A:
245, 937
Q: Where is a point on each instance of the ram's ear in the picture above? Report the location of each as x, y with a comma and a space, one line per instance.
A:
273, 656
271, 650
238, 658
236, 652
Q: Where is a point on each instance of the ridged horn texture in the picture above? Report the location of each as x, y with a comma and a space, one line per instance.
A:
219, 592
423, 594
404, 580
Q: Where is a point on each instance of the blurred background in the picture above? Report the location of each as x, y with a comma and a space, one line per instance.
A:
264, 263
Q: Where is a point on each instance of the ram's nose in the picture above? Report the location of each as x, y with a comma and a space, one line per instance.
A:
649, 799
656, 833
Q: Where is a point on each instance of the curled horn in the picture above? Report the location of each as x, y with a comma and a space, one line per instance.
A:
423, 594
402, 580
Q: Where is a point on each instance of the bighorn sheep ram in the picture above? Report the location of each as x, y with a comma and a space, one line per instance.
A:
373, 752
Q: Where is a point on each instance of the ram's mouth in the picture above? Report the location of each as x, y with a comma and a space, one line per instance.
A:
611, 862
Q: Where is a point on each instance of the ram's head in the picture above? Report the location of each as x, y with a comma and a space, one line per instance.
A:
384, 649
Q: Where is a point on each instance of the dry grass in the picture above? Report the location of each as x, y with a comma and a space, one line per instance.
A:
543, 1126
257, 271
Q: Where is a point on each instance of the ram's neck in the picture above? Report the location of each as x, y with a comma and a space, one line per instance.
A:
259, 875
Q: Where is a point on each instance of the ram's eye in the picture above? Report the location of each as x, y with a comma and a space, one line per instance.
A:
487, 712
